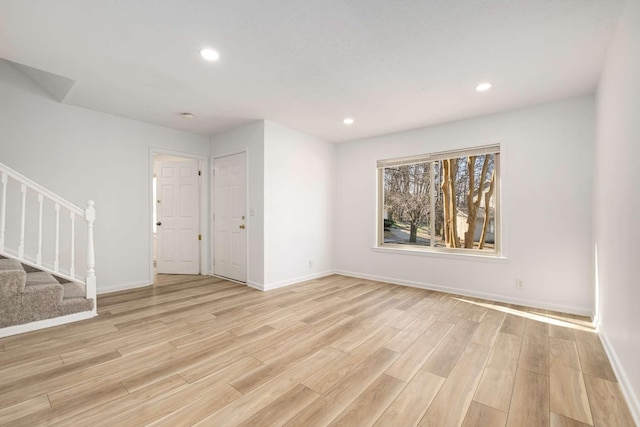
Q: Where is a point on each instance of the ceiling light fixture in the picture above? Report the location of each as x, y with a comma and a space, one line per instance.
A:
210, 54
187, 116
483, 87
348, 121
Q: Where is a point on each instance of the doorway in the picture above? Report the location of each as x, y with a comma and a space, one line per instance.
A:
176, 216
230, 224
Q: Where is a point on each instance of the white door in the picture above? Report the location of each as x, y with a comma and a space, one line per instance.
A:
178, 221
230, 210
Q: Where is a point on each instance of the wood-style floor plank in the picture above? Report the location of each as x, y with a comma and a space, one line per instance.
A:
568, 391
371, 403
322, 411
442, 360
405, 367
558, 420
480, 415
197, 350
327, 376
607, 403
513, 325
530, 400
496, 385
450, 406
593, 358
24, 409
534, 355
249, 404
411, 404
92, 415
284, 408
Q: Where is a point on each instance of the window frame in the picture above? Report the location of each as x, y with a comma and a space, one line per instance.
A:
497, 251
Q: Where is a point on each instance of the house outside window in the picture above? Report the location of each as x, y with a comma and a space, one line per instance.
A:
441, 202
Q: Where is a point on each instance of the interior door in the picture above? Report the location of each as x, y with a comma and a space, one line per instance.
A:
230, 206
178, 221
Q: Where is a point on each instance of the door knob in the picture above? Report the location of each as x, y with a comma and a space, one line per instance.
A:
158, 223
242, 226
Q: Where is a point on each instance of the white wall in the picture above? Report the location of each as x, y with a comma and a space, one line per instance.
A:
299, 186
82, 154
249, 137
546, 159
617, 204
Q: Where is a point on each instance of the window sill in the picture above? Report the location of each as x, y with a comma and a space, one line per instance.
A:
491, 258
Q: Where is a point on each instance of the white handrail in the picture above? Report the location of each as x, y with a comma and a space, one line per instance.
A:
41, 190
88, 214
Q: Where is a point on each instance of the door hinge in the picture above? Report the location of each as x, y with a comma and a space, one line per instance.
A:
199, 236
199, 173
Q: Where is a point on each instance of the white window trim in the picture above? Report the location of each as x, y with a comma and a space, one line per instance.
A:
443, 253
496, 255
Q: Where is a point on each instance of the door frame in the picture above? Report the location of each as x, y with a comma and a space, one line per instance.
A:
212, 208
203, 165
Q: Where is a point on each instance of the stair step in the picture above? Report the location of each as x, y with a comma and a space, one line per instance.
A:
40, 278
11, 281
40, 302
75, 305
28, 294
74, 290
10, 264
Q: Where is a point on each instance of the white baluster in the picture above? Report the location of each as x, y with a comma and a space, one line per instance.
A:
72, 267
90, 278
39, 254
56, 255
3, 210
23, 189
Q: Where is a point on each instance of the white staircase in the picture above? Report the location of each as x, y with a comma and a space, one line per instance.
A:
52, 241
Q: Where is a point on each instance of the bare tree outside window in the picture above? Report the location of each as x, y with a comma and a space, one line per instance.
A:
449, 202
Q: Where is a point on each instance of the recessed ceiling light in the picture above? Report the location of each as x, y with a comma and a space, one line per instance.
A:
210, 54
348, 121
187, 116
482, 87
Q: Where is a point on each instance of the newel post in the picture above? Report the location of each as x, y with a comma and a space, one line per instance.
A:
90, 279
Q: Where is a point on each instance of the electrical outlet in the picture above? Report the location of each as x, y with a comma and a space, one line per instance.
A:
519, 284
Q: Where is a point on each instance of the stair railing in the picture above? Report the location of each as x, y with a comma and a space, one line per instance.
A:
25, 215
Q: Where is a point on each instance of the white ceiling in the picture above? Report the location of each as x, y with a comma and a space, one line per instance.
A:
308, 64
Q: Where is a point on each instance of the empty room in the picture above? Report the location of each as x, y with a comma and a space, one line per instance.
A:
320, 213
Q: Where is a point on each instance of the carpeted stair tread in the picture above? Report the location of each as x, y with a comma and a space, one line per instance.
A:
40, 278
40, 302
28, 295
11, 281
10, 264
75, 305
74, 290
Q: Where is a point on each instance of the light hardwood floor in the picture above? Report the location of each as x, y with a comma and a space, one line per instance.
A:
195, 350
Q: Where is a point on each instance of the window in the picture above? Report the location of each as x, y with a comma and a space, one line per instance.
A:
444, 202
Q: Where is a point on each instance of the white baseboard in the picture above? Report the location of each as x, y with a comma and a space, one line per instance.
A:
122, 287
255, 285
47, 323
625, 384
465, 292
289, 282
